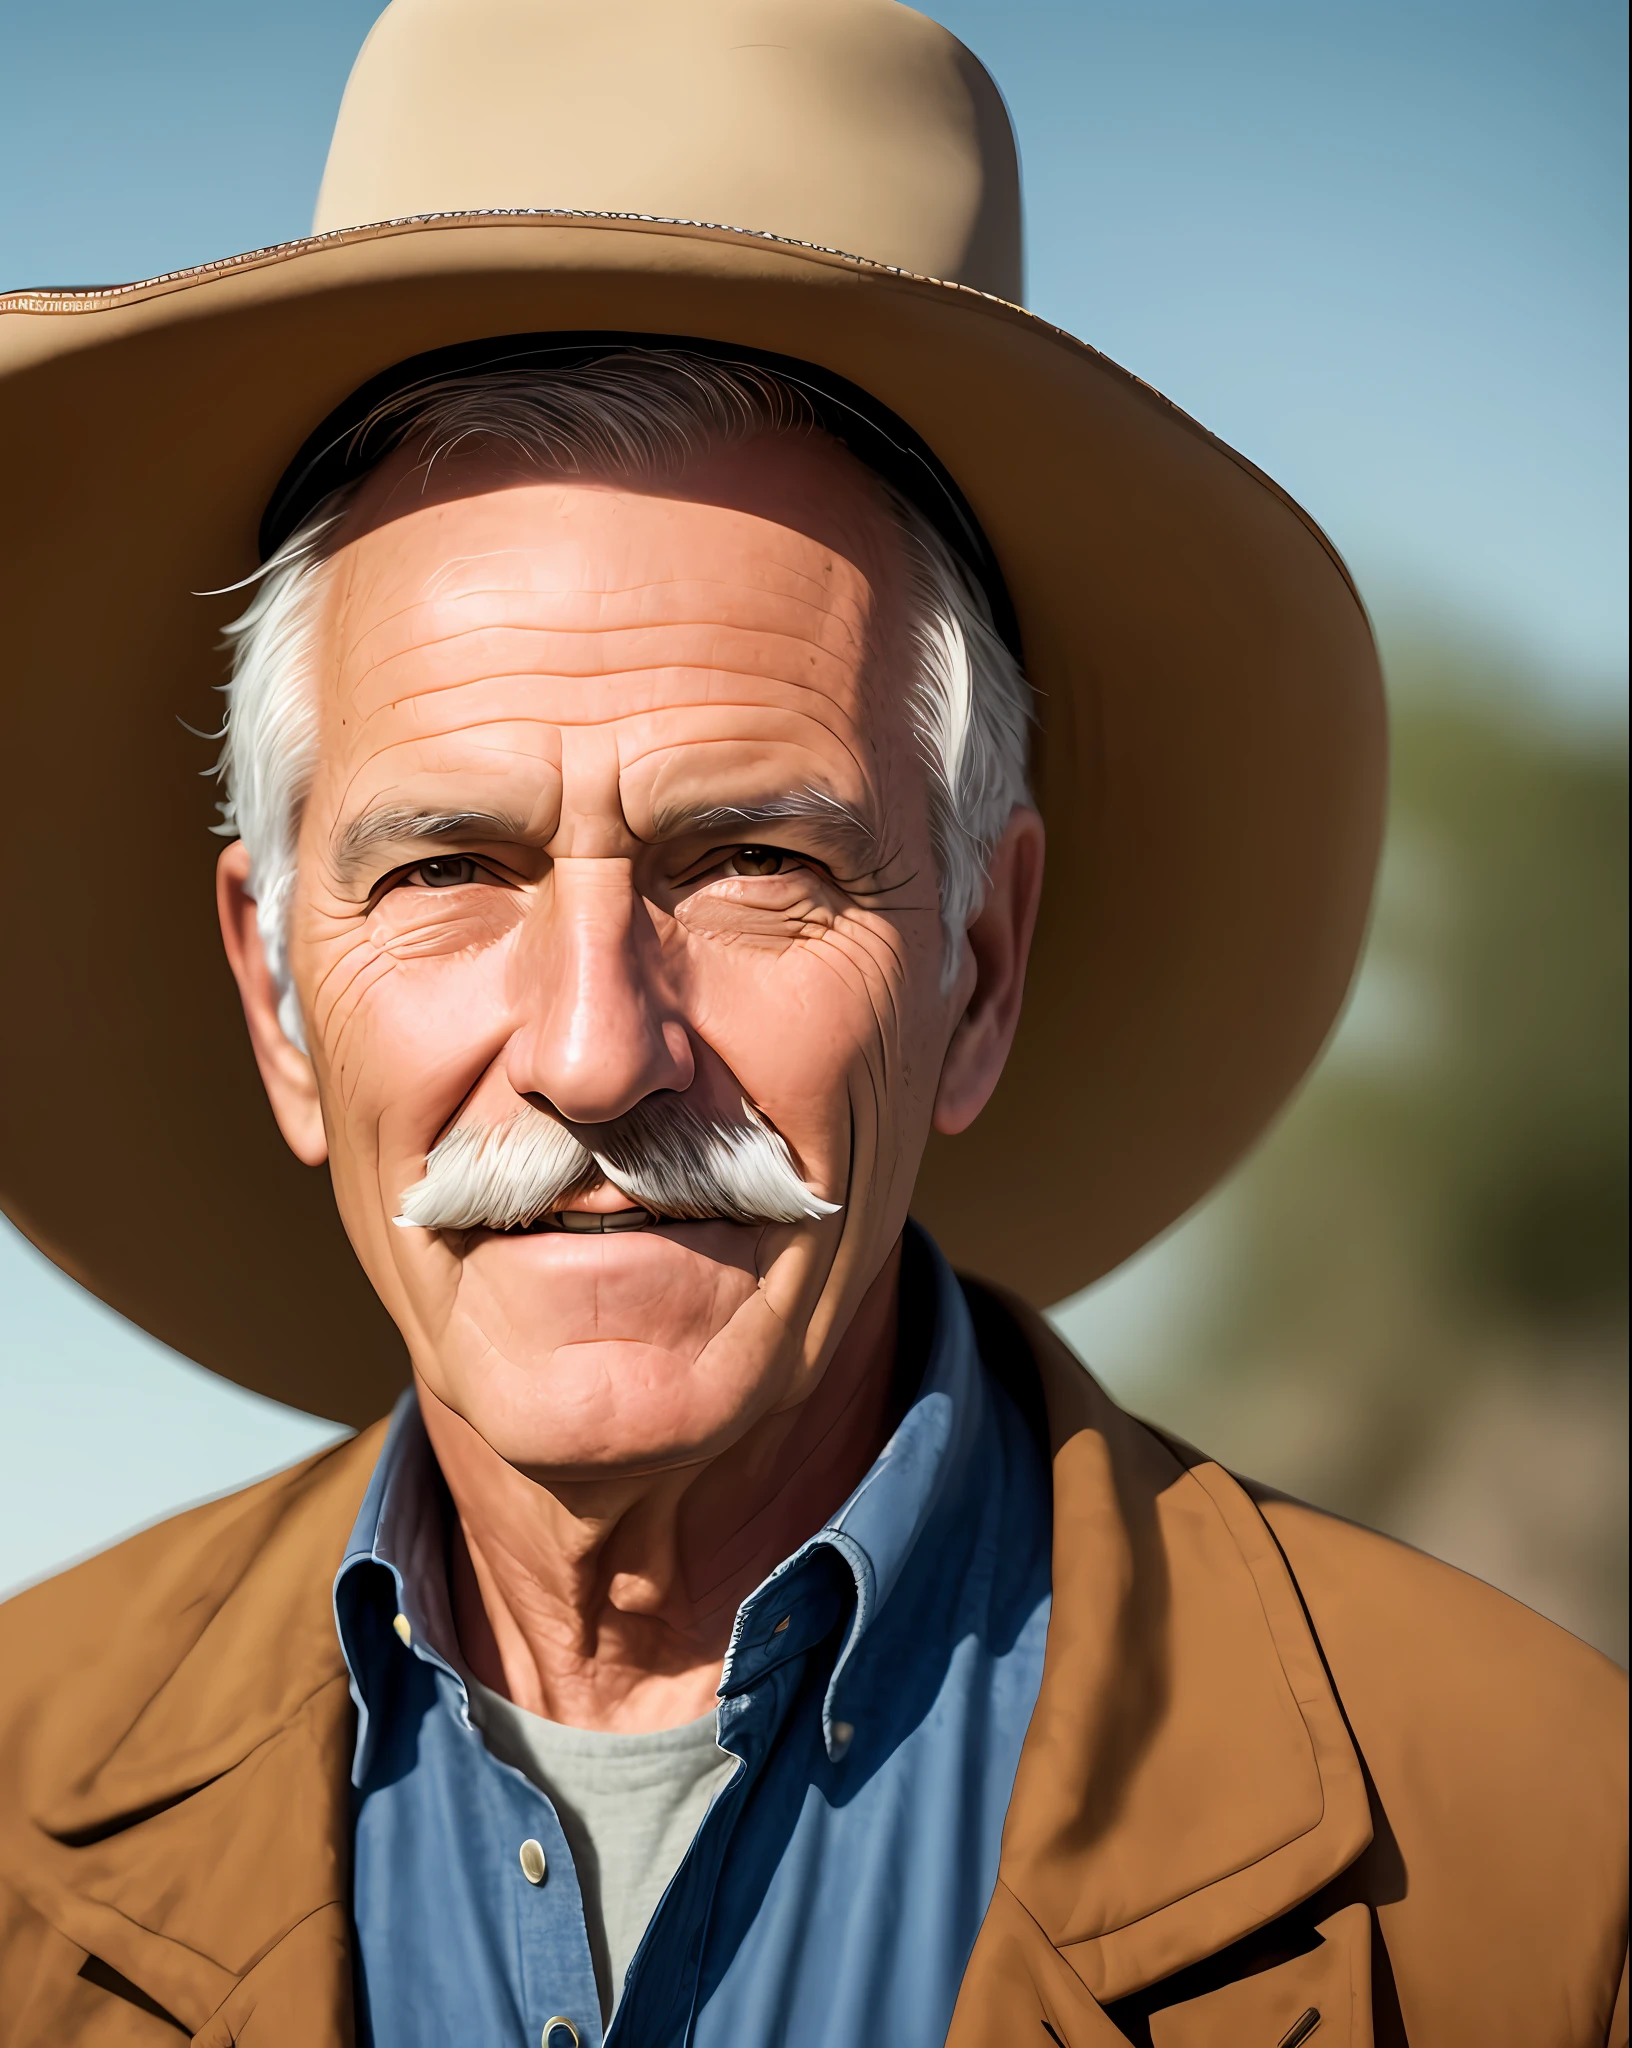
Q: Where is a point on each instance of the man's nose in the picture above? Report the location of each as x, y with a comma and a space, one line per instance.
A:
601, 1034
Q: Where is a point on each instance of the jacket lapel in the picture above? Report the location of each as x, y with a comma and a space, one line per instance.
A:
188, 1812
1187, 1776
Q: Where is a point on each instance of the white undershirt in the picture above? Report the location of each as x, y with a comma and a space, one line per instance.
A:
629, 1806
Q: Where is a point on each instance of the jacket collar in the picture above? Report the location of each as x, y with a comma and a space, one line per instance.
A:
1187, 1775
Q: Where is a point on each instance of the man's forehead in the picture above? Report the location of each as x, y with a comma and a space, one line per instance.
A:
506, 602
798, 506
717, 659
566, 541
566, 578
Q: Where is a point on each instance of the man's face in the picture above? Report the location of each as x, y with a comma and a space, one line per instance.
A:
597, 676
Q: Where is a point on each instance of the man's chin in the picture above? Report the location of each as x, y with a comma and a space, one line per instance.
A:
595, 1335
585, 1355
601, 1396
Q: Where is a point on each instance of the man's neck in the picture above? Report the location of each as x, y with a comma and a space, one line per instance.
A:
617, 1614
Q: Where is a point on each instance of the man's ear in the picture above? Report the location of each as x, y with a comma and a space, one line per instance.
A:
286, 1072
999, 944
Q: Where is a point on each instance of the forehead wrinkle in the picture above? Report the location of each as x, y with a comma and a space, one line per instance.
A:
826, 602
495, 748
670, 813
786, 581
430, 716
711, 688
842, 567
636, 745
641, 733
764, 615
539, 766
692, 603
834, 629
705, 661
637, 751
593, 645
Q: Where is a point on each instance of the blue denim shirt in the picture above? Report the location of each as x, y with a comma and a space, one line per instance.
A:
833, 1893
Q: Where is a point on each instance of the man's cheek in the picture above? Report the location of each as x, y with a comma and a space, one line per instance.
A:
417, 1027
341, 944
899, 1044
865, 1003
343, 992
792, 1033
829, 992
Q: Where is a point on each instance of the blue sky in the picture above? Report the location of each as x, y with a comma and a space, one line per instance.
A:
1381, 248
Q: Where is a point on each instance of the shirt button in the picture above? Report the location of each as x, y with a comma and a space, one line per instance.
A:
560, 2033
405, 1631
843, 1734
533, 1867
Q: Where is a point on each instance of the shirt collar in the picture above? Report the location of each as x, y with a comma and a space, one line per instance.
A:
401, 1526
397, 1555
876, 1529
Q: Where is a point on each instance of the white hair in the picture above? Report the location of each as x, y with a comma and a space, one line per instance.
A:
640, 414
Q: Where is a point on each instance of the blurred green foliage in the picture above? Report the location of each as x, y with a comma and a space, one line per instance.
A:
1513, 1131
1418, 1298
1466, 1143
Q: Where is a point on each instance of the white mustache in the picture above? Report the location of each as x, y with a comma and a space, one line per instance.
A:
661, 1154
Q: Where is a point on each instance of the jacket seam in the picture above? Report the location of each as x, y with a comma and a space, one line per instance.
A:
119, 1824
263, 1956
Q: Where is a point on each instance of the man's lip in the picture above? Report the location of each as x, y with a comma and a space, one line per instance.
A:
587, 1222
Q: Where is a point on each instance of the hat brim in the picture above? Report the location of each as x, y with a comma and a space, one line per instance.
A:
1211, 761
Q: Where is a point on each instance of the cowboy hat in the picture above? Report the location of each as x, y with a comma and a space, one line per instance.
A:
829, 181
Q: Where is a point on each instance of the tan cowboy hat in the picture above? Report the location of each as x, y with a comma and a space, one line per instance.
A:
828, 180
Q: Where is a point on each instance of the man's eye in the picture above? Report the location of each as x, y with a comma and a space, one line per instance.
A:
757, 860
454, 872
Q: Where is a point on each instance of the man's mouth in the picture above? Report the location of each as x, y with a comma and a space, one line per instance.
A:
579, 1222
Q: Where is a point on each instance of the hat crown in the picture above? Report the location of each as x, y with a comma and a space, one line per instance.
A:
856, 125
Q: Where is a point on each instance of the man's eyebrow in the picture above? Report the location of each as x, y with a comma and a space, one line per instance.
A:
840, 821
395, 823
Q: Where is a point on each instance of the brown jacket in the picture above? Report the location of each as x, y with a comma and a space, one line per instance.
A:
1279, 1766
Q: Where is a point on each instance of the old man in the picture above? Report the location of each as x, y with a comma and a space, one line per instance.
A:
687, 582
